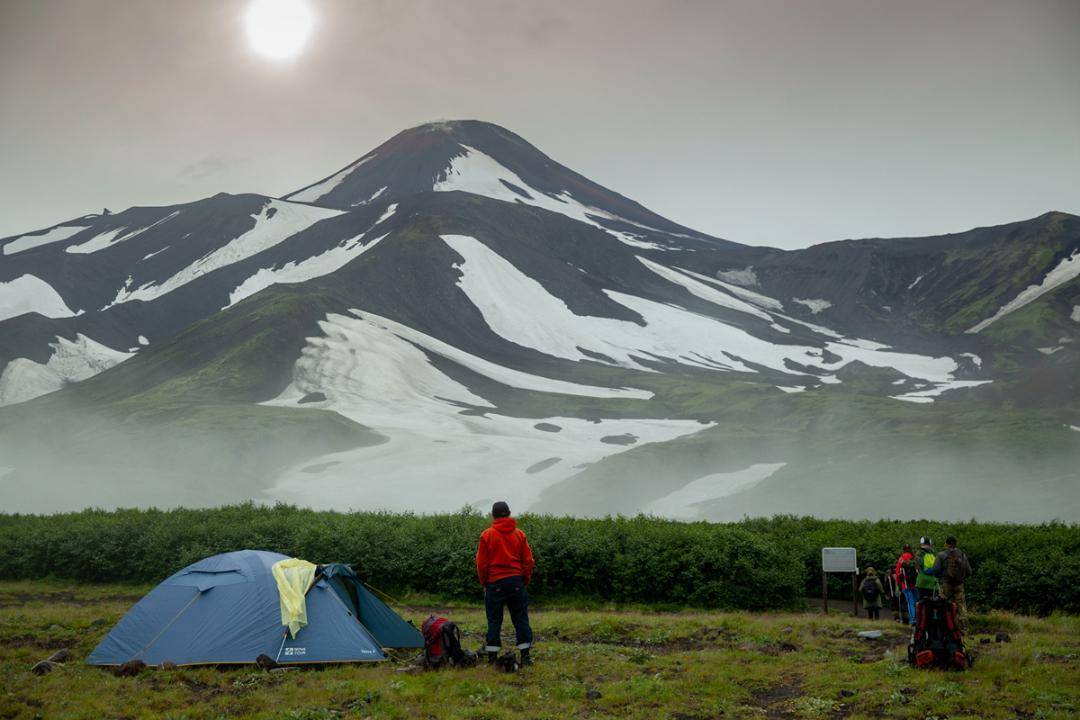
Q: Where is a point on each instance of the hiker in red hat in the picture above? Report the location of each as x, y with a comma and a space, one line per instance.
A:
504, 564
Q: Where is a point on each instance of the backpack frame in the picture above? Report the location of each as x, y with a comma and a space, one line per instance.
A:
936, 640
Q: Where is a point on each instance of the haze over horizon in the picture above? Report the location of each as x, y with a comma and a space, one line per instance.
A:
791, 124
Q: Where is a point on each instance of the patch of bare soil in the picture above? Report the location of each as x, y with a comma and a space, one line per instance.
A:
774, 699
67, 597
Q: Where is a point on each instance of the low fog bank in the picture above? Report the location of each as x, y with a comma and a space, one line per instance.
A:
57, 456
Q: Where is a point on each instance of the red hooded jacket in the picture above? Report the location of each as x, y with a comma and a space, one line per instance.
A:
898, 570
503, 552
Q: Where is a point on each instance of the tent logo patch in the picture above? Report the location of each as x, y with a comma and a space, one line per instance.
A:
295, 651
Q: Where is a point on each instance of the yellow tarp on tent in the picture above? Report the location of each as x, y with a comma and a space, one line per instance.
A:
293, 577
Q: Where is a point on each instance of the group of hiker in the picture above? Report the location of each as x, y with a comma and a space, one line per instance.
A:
920, 574
504, 566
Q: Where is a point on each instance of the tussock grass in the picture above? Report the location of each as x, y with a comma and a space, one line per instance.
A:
598, 662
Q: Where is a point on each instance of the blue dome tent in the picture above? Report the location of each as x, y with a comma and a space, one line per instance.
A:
226, 610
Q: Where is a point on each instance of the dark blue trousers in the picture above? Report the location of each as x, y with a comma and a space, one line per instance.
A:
507, 593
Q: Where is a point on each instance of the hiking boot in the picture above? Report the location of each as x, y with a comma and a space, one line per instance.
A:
526, 659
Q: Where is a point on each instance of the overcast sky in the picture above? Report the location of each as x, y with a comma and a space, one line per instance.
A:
778, 123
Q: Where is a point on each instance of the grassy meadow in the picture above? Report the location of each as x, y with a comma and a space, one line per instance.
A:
592, 661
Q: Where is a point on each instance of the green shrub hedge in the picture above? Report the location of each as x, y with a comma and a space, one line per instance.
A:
753, 564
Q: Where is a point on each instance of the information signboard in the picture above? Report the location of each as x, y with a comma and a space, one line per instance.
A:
839, 559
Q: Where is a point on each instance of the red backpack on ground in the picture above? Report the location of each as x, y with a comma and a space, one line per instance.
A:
442, 644
936, 641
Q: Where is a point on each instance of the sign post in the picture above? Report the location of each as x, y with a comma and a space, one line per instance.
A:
841, 560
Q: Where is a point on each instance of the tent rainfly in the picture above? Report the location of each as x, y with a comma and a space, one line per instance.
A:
226, 610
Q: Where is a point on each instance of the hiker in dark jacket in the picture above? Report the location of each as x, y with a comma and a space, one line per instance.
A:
504, 564
925, 582
952, 568
872, 592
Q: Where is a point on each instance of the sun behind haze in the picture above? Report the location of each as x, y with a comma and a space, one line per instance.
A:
278, 29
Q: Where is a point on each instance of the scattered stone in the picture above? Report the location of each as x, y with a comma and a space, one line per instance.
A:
593, 694
869, 634
44, 667
788, 647
99, 622
1002, 637
168, 665
130, 669
547, 427
312, 397
985, 641
624, 439
60, 656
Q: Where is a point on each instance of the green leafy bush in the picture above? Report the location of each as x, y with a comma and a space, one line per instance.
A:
754, 564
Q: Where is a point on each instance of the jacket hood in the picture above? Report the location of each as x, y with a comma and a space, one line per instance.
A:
504, 524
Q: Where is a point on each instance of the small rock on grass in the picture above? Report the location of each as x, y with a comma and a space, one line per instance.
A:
1002, 637
593, 694
60, 656
44, 667
131, 668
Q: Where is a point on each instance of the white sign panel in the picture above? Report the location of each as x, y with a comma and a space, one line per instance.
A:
839, 560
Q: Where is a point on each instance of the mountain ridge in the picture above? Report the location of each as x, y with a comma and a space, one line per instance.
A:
424, 341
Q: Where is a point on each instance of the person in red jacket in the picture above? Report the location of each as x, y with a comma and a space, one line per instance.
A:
904, 573
504, 564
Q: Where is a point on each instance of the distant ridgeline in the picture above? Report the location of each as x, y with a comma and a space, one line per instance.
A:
753, 565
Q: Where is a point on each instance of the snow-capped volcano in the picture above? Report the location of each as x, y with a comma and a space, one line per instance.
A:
455, 316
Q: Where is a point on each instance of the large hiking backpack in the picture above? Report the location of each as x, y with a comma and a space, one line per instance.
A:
955, 566
442, 644
869, 590
936, 641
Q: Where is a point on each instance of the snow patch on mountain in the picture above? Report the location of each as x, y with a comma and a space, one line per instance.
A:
815, 305
374, 196
685, 503
928, 395
498, 373
34, 240
303, 270
71, 361
107, 239
436, 458
277, 221
1075, 316
973, 358
29, 293
745, 277
703, 291
915, 282
387, 214
478, 173
543, 322
98, 242
1066, 270
321, 189
756, 298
